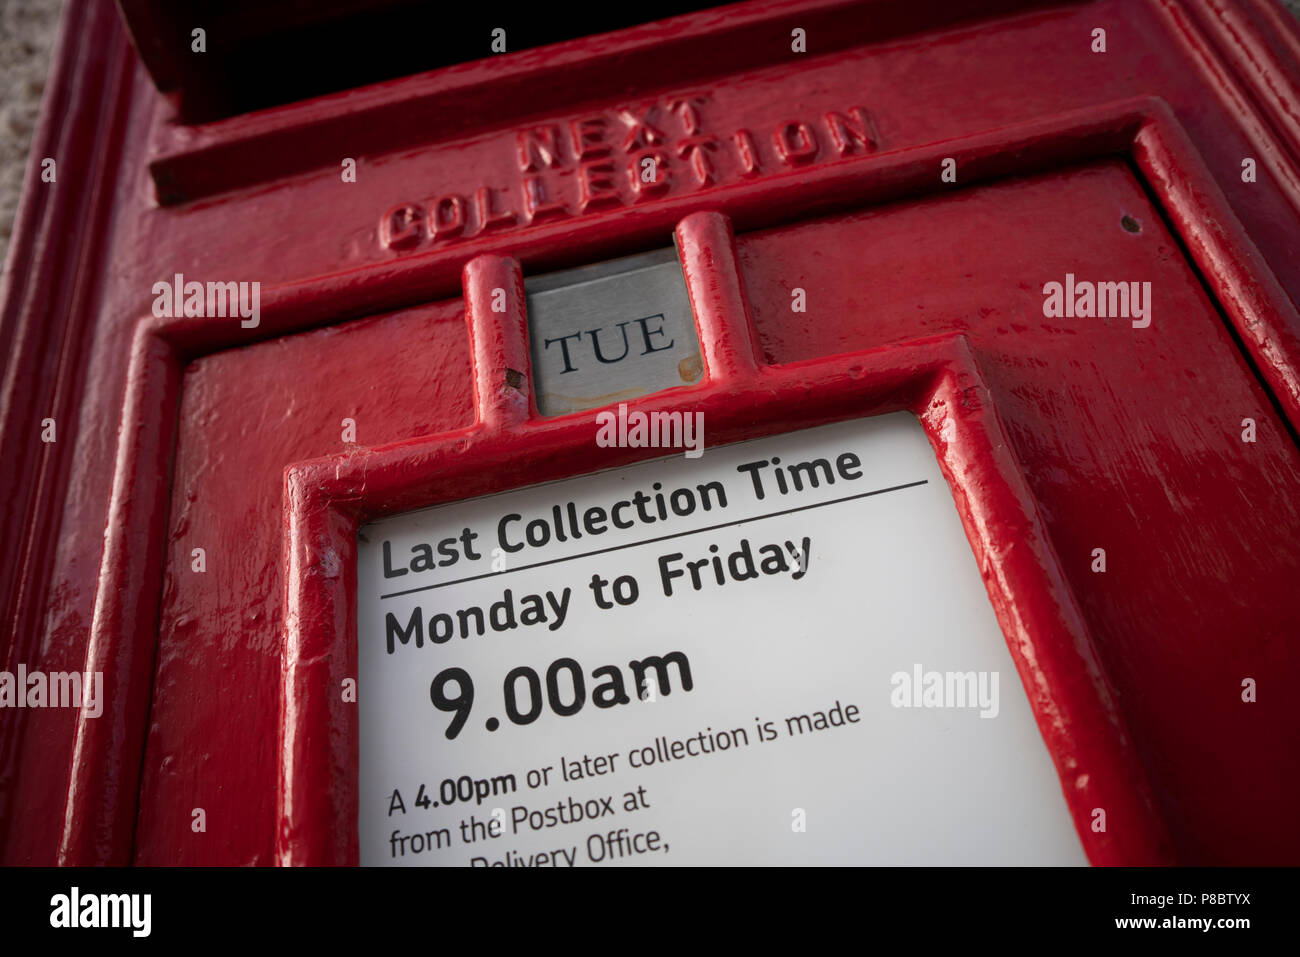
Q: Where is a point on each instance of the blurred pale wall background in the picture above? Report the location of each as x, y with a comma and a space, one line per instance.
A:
27, 32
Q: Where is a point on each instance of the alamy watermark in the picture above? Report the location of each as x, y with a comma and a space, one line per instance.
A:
945, 689
58, 689
178, 298
653, 430
75, 909
1102, 300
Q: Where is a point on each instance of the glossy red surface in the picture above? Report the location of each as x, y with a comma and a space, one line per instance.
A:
1057, 436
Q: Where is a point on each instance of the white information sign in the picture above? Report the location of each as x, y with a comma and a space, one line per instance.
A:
779, 652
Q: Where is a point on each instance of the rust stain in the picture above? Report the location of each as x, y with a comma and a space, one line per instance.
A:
690, 368
577, 403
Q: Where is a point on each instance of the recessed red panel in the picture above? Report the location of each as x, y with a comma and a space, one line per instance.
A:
245, 413
1131, 439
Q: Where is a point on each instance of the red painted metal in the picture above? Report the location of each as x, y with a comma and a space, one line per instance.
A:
1056, 436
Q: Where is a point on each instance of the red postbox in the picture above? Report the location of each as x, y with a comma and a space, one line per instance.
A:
1060, 237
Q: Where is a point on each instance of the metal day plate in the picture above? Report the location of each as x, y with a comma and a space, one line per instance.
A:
611, 331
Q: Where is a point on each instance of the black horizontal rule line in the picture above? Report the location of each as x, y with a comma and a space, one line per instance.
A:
651, 541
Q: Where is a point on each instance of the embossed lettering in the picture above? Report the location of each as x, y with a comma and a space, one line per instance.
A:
536, 203
695, 150
641, 132
487, 217
589, 137
572, 167
747, 151
795, 141
536, 148
596, 185
447, 217
852, 131
687, 109
400, 227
